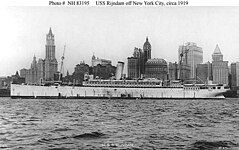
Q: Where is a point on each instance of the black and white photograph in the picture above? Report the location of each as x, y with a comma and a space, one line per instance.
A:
119, 75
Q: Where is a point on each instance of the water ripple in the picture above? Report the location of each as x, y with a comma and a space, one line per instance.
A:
119, 124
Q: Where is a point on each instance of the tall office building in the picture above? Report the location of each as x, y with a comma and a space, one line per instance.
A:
80, 70
136, 64
101, 68
44, 69
172, 71
50, 60
156, 68
33, 70
41, 70
235, 75
30, 75
192, 55
147, 49
175, 74
146, 54
217, 54
204, 72
219, 67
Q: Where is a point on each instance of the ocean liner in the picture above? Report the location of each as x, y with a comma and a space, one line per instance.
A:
131, 89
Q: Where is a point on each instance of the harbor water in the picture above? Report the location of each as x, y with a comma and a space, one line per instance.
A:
119, 124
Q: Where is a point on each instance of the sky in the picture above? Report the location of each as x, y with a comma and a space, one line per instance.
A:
113, 32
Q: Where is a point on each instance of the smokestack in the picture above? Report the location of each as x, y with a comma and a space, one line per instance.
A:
119, 70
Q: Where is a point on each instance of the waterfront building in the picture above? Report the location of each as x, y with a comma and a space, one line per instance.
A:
136, 63
184, 72
204, 72
82, 68
30, 75
50, 60
139, 54
156, 68
219, 67
79, 73
103, 71
101, 68
44, 69
146, 54
23, 73
177, 73
147, 50
33, 71
235, 76
41, 70
192, 55
5, 82
173, 71
95, 61
16, 79
133, 69
217, 54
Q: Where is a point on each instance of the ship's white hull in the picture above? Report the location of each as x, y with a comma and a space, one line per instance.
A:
33, 91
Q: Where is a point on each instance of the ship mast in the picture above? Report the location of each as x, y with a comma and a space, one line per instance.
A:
180, 61
62, 59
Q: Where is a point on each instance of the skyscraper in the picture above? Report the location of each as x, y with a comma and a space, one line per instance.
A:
219, 67
146, 53
217, 55
172, 71
192, 55
147, 49
235, 76
133, 67
136, 64
50, 60
30, 75
138, 53
204, 72
156, 68
33, 71
44, 69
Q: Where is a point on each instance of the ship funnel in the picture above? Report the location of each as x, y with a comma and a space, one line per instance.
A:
119, 70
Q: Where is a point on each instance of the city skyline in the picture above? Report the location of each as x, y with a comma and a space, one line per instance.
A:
113, 33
